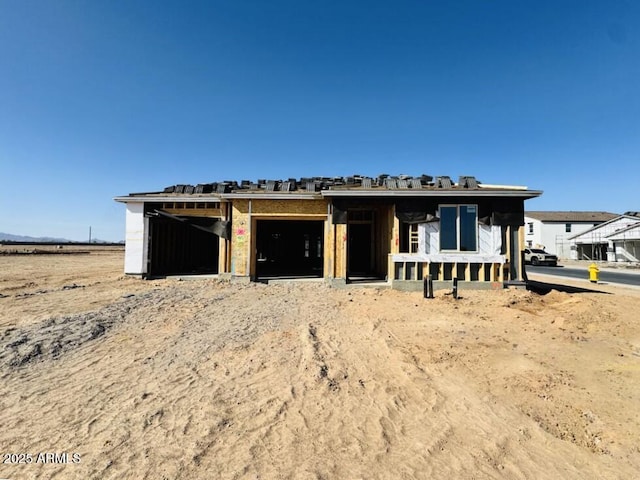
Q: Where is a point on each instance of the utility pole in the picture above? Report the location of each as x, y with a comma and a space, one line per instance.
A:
89, 233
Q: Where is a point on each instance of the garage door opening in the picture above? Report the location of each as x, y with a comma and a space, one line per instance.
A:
180, 248
289, 249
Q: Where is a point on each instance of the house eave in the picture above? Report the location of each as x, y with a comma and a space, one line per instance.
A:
272, 196
372, 193
169, 198
433, 193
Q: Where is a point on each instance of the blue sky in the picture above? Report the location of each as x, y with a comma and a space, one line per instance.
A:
104, 98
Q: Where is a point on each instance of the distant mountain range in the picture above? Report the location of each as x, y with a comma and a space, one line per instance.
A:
9, 237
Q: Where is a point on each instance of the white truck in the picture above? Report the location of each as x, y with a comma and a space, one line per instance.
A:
537, 256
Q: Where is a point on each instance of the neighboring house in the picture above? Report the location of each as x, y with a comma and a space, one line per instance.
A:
551, 230
393, 229
617, 240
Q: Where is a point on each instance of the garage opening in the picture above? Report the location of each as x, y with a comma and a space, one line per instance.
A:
289, 249
181, 247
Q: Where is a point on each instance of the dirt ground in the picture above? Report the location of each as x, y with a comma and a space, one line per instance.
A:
169, 379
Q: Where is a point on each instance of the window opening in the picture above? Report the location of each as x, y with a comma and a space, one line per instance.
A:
409, 242
459, 228
413, 238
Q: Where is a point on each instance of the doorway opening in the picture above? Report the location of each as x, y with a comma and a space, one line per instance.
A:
361, 245
289, 249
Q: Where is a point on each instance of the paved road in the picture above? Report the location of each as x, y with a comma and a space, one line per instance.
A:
608, 276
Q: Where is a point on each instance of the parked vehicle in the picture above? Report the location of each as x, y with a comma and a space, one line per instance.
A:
537, 256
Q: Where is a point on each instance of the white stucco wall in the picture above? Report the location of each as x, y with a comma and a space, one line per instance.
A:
556, 239
552, 235
532, 238
136, 240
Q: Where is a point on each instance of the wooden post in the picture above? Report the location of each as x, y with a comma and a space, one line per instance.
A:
428, 287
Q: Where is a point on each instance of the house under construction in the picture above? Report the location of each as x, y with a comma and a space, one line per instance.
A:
394, 229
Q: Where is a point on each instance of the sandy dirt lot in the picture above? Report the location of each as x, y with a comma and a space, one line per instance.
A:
169, 379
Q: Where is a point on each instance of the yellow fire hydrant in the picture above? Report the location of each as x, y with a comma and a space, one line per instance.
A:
593, 273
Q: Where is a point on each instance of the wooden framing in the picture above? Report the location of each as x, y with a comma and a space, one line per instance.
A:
243, 206
443, 271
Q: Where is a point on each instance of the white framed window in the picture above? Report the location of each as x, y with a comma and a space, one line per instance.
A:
530, 224
459, 228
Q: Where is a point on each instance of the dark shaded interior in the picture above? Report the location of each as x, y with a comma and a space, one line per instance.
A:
360, 261
180, 248
289, 248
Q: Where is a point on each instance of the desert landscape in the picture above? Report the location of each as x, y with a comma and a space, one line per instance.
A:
117, 377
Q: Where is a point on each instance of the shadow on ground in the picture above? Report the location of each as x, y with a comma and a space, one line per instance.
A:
542, 288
